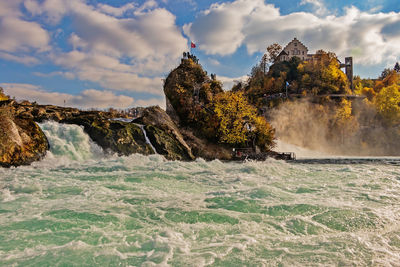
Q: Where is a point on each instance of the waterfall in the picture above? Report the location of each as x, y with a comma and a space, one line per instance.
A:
70, 142
146, 138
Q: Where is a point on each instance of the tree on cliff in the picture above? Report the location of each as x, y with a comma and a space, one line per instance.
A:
387, 104
319, 76
273, 52
397, 67
323, 75
239, 123
190, 90
220, 117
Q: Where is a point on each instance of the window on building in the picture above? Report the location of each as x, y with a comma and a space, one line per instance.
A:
295, 44
303, 52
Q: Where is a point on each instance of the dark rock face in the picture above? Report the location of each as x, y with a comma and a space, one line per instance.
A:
114, 136
202, 148
22, 141
164, 134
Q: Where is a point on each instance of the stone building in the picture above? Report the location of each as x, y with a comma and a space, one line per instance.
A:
295, 48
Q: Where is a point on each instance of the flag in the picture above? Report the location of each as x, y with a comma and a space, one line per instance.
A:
193, 45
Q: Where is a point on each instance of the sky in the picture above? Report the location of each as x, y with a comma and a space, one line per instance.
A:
116, 53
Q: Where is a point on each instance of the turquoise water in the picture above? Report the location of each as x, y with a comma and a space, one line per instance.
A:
79, 207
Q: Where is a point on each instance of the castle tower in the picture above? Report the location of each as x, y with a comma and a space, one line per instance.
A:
349, 70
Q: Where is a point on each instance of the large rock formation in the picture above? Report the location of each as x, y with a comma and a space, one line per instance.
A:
164, 134
119, 137
186, 131
188, 91
22, 141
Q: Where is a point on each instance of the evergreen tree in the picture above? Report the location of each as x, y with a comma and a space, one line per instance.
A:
397, 67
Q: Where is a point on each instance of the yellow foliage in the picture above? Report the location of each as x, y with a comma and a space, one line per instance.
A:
343, 113
238, 121
387, 104
3, 97
369, 93
300, 68
231, 110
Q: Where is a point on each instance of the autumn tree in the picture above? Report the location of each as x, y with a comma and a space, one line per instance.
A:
239, 123
323, 75
270, 56
273, 52
387, 104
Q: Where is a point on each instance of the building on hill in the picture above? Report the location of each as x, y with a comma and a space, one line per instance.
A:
294, 48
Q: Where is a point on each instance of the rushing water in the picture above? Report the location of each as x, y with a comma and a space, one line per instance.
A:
81, 208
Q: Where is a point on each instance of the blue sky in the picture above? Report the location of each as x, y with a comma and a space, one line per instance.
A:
115, 53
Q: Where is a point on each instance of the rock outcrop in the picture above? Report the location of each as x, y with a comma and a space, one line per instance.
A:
119, 137
22, 141
164, 134
202, 148
188, 91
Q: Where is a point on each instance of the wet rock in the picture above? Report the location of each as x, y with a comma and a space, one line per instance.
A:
22, 141
118, 137
202, 148
164, 134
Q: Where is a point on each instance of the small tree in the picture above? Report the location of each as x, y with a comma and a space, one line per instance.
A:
385, 73
397, 67
273, 52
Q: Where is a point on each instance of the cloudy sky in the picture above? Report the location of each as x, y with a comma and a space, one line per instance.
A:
115, 53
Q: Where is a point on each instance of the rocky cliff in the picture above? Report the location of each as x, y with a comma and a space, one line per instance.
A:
22, 141
164, 134
113, 135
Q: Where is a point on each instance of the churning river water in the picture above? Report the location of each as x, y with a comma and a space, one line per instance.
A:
79, 207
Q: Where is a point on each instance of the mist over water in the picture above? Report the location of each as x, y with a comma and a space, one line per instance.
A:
315, 127
80, 207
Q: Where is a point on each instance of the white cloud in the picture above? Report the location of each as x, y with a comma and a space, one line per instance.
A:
17, 34
130, 53
67, 75
27, 60
20, 37
108, 72
318, 5
86, 99
228, 82
214, 62
218, 30
151, 102
223, 28
116, 11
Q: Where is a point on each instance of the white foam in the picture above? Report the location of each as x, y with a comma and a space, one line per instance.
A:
69, 143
